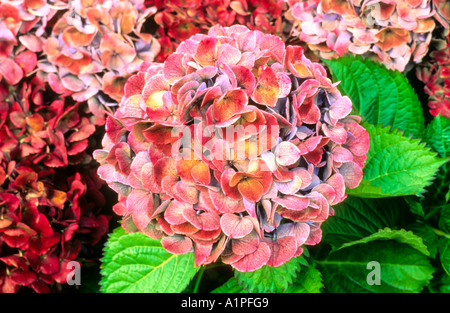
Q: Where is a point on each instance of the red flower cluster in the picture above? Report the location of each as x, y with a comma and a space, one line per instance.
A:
50, 203
434, 72
178, 20
44, 226
235, 147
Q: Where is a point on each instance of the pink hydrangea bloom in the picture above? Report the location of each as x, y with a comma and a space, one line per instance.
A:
396, 33
236, 147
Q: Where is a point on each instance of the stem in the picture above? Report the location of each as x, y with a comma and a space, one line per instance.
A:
441, 233
432, 212
199, 277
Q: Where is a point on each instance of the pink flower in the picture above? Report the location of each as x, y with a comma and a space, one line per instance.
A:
235, 148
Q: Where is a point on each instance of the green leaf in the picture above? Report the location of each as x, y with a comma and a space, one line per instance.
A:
444, 253
231, 286
396, 165
440, 283
309, 280
402, 236
402, 268
437, 137
135, 262
444, 220
415, 206
425, 231
270, 279
356, 218
382, 96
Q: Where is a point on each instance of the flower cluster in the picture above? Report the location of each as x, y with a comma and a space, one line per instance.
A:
93, 48
50, 203
44, 226
54, 133
179, 20
434, 72
395, 33
235, 147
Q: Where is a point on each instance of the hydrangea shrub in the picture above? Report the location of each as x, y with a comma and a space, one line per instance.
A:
236, 148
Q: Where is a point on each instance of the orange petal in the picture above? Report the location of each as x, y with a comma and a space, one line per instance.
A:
251, 189
267, 88
230, 104
74, 38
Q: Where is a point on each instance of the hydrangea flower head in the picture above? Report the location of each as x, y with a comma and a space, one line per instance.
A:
93, 48
395, 33
236, 147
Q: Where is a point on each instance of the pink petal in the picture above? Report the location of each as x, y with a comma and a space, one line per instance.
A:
341, 154
336, 134
10, 71
202, 220
235, 226
300, 231
302, 179
337, 182
206, 236
282, 250
359, 142
201, 252
186, 193
340, 108
177, 244
254, 260
287, 153
293, 202
245, 245
224, 204
327, 191
352, 174
174, 212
